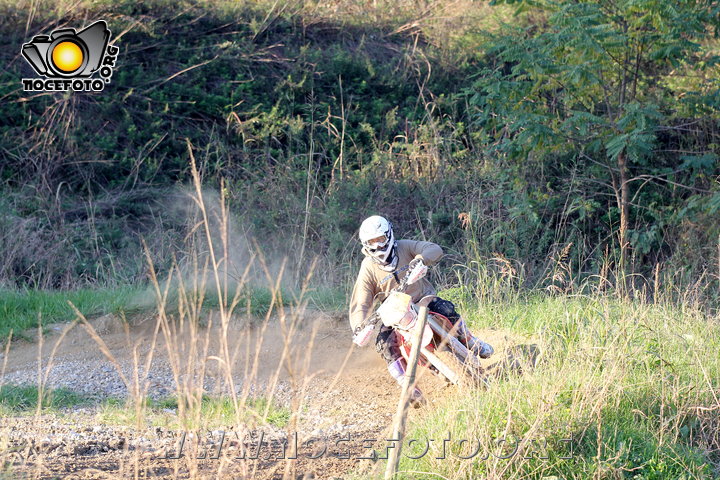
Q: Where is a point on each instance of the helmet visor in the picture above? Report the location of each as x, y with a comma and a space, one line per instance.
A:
377, 242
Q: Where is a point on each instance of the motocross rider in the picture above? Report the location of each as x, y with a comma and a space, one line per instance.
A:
386, 262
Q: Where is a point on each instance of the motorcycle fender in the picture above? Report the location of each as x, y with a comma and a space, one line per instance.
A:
427, 338
425, 301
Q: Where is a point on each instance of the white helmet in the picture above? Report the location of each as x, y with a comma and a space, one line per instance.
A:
376, 235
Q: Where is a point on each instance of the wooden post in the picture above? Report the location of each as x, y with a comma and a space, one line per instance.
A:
401, 414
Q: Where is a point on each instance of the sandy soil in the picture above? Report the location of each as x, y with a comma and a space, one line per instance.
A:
343, 397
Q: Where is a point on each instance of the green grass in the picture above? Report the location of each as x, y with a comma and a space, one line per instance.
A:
212, 412
19, 399
327, 299
23, 309
634, 385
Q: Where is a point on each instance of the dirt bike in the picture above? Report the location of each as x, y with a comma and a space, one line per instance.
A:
398, 311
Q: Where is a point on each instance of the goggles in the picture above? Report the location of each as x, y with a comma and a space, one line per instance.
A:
376, 243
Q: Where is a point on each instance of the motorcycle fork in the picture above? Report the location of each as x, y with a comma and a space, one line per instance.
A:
427, 356
439, 325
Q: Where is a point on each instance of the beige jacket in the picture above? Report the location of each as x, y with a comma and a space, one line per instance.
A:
369, 286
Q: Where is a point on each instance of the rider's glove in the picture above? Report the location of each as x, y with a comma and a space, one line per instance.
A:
417, 270
362, 335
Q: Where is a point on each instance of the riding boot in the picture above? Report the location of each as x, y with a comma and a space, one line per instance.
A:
477, 346
397, 370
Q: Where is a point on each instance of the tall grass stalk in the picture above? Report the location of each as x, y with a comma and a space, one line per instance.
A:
201, 348
633, 384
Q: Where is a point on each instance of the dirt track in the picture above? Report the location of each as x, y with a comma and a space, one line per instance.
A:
343, 397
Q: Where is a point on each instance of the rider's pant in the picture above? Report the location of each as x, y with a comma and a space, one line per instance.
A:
386, 343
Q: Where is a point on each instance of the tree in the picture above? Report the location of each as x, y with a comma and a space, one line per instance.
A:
597, 82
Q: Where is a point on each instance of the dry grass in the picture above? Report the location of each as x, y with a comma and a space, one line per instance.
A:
199, 345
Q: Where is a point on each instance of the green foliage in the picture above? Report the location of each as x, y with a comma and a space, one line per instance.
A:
583, 94
315, 120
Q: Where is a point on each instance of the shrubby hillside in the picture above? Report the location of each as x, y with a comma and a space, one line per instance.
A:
556, 141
